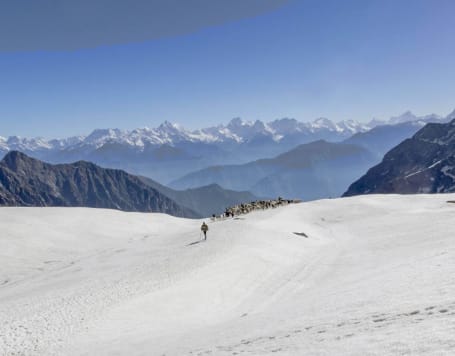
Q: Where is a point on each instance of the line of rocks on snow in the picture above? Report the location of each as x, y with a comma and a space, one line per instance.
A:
246, 208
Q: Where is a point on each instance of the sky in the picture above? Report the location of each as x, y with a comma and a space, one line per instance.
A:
67, 70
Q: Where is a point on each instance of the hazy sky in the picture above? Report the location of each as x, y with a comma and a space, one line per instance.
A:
67, 70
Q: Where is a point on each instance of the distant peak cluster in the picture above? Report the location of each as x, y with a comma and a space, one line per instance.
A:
235, 131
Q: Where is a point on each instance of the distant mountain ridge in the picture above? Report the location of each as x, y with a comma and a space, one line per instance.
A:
205, 200
237, 131
25, 181
383, 137
314, 170
424, 163
170, 151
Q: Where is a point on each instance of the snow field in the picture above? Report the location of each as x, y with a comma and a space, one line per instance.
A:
374, 277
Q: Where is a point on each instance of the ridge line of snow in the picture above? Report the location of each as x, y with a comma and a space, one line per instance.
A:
236, 130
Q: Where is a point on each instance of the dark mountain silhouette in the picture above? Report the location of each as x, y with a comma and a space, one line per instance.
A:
26, 181
424, 163
206, 200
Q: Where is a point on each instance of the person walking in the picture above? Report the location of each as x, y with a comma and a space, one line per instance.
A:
204, 229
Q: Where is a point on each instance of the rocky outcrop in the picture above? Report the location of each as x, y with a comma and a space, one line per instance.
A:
424, 163
245, 208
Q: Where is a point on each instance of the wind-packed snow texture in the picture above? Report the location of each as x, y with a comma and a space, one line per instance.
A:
368, 275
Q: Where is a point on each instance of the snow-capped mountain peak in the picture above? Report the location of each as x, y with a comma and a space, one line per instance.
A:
246, 130
237, 122
168, 126
405, 117
169, 129
376, 122
352, 126
323, 122
20, 143
451, 116
408, 116
285, 126
101, 136
236, 131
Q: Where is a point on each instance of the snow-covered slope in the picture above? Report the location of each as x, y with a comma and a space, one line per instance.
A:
375, 276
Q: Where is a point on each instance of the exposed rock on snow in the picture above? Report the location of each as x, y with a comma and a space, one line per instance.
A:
424, 163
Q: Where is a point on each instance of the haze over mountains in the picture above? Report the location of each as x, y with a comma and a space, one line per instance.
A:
205, 200
281, 158
171, 151
315, 170
26, 181
310, 171
424, 163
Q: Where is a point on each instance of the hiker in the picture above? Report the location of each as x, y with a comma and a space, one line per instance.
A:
204, 229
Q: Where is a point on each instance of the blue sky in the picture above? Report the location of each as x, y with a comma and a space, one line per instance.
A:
351, 59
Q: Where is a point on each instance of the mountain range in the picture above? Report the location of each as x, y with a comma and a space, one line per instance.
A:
236, 131
171, 151
25, 181
314, 170
205, 200
424, 163
381, 138
310, 171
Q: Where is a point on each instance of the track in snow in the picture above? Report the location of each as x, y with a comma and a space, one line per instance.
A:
375, 275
